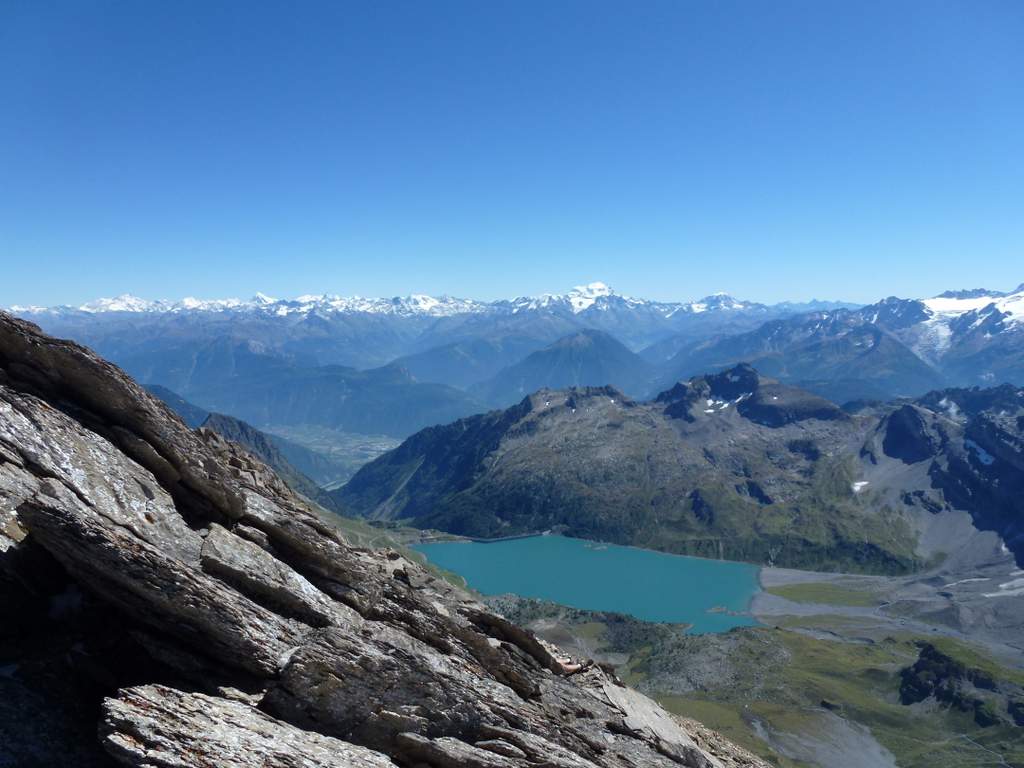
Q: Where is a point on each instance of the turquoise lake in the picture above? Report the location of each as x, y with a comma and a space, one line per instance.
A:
648, 585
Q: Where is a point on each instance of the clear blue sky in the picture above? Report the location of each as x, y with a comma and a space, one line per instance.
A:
770, 149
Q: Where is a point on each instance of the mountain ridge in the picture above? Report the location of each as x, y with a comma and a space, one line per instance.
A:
733, 465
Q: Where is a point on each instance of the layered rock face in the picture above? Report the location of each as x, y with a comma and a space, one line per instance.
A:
168, 601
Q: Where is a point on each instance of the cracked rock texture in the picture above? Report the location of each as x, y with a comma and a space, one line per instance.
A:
177, 605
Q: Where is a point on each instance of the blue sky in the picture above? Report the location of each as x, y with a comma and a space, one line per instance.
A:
774, 150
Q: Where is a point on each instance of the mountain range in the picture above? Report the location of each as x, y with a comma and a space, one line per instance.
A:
364, 333
730, 465
393, 366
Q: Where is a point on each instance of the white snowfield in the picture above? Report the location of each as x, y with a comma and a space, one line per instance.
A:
1010, 588
932, 338
1012, 304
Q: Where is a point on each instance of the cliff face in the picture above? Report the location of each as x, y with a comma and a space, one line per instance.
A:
167, 589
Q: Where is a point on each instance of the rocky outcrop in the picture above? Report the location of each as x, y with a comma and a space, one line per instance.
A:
761, 400
959, 686
911, 435
157, 726
174, 591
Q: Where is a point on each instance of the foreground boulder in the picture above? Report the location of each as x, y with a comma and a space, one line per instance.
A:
174, 594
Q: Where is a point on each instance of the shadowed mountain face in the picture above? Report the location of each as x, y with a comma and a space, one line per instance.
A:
471, 361
190, 413
178, 605
587, 358
728, 465
831, 355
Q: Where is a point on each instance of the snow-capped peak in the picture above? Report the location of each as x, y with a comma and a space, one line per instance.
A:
715, 301
580, 298
203, 305
593, 290
583, 296
123, 303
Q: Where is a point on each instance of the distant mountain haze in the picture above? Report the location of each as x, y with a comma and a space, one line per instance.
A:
586, 358
393, 366
299, 467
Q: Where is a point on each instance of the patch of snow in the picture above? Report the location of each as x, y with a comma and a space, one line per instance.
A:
952, 409
1010, 588
964, 581
859, 486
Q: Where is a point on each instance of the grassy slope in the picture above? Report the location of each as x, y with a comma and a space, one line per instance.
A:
824, 593
862, 681
783, 675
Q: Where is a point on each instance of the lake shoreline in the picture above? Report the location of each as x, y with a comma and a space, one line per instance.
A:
709, 594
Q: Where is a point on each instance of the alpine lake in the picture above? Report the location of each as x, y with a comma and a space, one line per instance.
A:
705, 595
